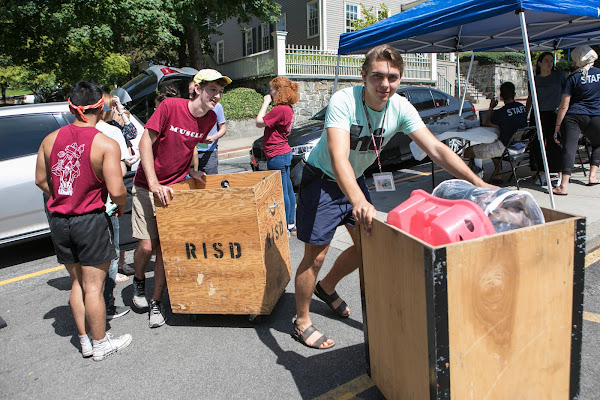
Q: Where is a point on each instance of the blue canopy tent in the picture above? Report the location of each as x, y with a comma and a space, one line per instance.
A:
439, 26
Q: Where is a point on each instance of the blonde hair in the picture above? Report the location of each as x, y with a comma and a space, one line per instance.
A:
108, 115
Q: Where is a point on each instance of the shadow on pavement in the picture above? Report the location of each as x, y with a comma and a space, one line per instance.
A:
21, 253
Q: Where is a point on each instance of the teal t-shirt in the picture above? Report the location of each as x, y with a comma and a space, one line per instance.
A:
345, 111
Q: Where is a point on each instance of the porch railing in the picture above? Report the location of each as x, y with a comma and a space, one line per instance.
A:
311, 61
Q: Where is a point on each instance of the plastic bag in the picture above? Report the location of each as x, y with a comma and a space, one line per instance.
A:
507, 209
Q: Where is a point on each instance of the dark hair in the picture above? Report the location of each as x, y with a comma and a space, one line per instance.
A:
287, 91
383, 52
85, 93
168, 91
507, 91
538, 70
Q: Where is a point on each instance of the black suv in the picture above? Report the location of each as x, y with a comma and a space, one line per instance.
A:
434, 106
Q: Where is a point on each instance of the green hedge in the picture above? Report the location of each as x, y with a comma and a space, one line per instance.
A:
486, 58
240, 103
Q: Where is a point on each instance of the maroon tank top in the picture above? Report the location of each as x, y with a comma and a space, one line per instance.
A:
76, 189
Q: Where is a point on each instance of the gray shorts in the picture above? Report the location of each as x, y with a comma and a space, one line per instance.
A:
488, 150
208, 162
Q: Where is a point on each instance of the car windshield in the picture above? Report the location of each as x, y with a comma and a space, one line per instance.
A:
141, 85
320, 116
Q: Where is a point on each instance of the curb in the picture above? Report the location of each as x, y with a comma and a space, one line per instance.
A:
232, 153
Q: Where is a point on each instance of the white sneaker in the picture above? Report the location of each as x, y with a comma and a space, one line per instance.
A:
156, 318
86, 346
139, 293
107, 346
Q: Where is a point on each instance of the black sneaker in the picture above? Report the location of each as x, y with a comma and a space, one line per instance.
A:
113, 312
139, 293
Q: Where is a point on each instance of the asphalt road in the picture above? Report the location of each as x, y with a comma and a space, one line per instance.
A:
213, 357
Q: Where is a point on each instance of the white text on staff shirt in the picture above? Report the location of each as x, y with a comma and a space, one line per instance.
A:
590, 79
186, 132
516, 110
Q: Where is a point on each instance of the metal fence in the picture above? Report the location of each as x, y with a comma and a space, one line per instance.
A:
311, 61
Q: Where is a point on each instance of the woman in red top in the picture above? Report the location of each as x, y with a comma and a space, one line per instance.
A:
278, 123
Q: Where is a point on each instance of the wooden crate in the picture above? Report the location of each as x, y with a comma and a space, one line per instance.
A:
497, 317
225, 250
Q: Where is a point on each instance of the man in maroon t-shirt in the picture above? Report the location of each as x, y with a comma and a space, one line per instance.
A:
167, 148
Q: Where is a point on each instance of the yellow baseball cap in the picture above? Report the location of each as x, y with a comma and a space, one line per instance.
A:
209, 75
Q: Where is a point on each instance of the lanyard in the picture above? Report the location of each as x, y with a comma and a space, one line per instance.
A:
377, 149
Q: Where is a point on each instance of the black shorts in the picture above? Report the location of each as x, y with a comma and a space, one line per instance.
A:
322, 207
86, 239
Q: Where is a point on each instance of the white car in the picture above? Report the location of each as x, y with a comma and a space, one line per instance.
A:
22, 129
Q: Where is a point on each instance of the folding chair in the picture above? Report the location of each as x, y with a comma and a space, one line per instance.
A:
583, 143
516, 159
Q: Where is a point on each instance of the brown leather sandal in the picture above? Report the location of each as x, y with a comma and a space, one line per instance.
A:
302, 337
329, 299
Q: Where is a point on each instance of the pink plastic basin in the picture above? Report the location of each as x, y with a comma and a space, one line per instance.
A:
440, 221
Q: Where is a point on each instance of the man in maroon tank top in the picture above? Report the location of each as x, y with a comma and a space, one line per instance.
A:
77, 167
167, 147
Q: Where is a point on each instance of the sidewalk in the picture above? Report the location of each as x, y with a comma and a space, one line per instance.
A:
230, 148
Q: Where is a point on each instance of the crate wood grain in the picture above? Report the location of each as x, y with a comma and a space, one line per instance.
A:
225, 250
498, 317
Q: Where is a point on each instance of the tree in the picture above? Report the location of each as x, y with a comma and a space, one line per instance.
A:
369, 16
10, 76
76, 39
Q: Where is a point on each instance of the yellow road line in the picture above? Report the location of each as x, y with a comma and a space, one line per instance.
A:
592, 257
22, 277
592, 317
348, 390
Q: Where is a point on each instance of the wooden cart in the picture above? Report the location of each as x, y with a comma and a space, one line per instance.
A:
498, 317
225, 244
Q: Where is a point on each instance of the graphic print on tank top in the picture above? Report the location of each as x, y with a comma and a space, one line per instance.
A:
67, 168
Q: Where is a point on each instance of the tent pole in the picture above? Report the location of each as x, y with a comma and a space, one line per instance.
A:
536, 110
462, 100
337, 73
457, 73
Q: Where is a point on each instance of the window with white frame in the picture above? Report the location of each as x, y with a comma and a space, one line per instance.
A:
248, 42
220, 52
351, 15
266, 38
312, 15
281, 24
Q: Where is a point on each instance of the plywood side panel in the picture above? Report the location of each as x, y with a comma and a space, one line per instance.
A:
510, 305
210, 246
272, 227
396, 306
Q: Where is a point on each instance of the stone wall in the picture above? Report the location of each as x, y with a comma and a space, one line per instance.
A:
314, 94
488, 78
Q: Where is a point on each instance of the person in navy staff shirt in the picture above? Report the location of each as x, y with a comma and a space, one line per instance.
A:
508, 119
579, 112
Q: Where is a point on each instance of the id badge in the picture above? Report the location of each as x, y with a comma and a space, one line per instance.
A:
384, 182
